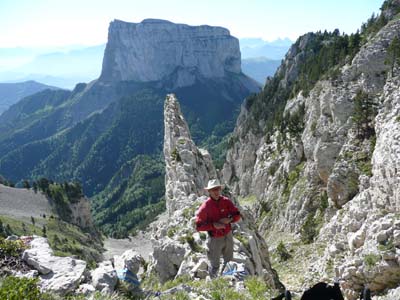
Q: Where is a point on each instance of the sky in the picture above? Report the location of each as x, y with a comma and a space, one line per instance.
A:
44, 23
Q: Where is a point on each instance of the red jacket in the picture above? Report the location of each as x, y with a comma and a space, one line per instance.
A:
212, 211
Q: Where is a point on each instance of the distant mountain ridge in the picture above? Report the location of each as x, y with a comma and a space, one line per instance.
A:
257, 47
108, 134
60, 68
11, 93
260, 68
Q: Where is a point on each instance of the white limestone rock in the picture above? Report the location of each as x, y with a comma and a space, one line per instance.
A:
155, 49
167, 258
188, 168
178, 248
130, 259
104, 277
58, 274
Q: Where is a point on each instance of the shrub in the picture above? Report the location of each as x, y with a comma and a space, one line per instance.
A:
171, 231
282, 252
192, 243
371, 260
324, 203
220, 290
13, 288
257, 287
11, 248
203, 236
309, 229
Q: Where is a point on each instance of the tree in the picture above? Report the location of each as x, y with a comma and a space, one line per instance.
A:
43, 185
26, 184
364, 114
2, 229
44, 231
33, 221
354, 43
35, 187
393, 54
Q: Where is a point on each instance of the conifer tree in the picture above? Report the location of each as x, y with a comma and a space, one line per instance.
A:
26, 184
393, 54
363, 114
44, 231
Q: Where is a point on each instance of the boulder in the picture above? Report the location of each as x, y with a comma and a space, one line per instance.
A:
58, 274
104, 277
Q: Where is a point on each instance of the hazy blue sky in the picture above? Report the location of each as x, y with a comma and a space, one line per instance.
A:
66, 22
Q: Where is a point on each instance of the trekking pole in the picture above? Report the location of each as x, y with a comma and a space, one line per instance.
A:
366, 293
288, 295
223, 267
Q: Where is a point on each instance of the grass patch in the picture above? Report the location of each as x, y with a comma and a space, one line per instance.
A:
69, 240
257, 288
387, 246
370, 260
292, 179
65, 239
184, 279
171, 231
22, 228
220, 290
244, 240
247, 201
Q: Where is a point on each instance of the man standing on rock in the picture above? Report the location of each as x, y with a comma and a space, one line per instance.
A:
215, 216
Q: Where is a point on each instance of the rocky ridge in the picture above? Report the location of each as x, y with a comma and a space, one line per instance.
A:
190, 167
178, 248
320, 178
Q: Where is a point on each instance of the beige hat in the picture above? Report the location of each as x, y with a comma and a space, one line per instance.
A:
213, 183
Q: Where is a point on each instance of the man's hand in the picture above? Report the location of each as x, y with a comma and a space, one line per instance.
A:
225, 221
219, 225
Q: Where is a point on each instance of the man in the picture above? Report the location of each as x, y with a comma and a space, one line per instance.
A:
215, 216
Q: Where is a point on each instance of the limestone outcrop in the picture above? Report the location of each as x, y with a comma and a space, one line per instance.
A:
324, 183
188, 167
66, 275
155, 49
57, 274
178, 248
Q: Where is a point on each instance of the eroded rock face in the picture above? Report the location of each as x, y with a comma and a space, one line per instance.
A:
188, 168
369, 225
81, 214
178, 248
292, 176
155, 49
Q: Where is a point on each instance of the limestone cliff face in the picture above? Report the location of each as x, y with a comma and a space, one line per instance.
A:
178, 248
188, 168
325, 176
155, 49
81, 214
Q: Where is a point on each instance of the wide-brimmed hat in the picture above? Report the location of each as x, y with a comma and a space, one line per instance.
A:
213, 183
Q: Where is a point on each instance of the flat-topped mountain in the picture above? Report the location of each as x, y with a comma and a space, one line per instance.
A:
108, 134
156, 49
